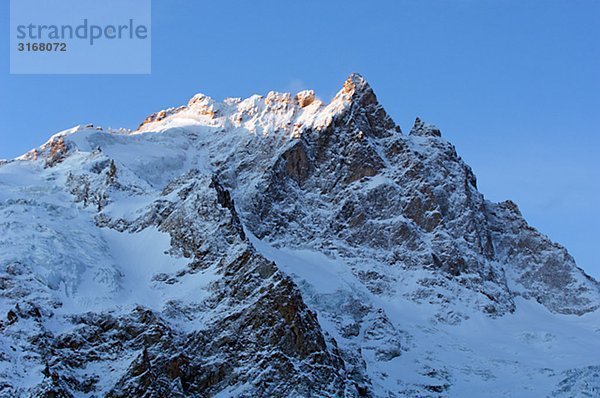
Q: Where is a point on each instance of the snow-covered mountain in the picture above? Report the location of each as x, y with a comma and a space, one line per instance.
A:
279, 246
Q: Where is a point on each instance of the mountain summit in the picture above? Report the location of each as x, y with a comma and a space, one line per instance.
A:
279, 246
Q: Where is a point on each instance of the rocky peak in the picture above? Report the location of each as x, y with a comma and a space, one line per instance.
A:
305, 98
356, 86
424, 130
356, 90
231, 223
355, 107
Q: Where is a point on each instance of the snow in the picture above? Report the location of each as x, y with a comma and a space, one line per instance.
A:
517, 355
406, 345
323, 273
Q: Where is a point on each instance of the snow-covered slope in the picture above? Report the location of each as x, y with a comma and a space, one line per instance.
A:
279, 246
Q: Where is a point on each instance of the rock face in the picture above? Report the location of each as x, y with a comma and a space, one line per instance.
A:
279, 246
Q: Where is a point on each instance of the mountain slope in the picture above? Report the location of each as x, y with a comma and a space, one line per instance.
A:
279, 246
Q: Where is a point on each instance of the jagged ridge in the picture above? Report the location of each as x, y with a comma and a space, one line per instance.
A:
319, 189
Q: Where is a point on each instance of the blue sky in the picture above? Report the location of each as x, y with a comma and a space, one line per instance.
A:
514, 85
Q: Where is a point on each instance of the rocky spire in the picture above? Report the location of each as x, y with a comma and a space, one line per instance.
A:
356, 104
424, 130
356, 88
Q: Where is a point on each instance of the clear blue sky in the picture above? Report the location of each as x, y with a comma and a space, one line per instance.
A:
515, 85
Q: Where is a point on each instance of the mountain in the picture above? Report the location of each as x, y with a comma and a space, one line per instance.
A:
279, 246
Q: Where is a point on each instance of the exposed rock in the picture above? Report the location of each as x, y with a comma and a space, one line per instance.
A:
305, 98
311, 250
424, 130
57, 150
